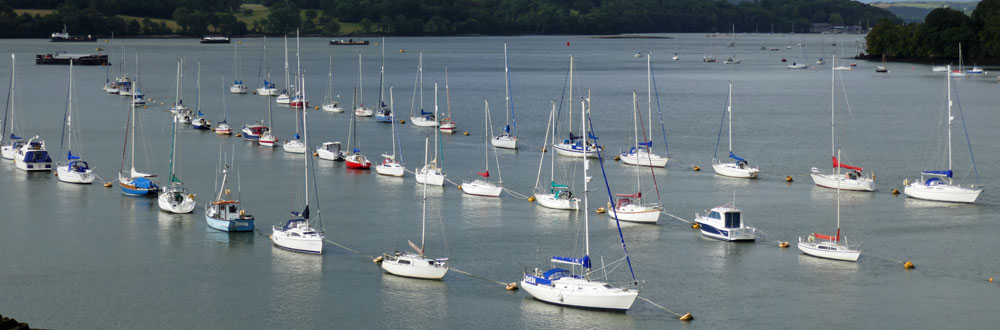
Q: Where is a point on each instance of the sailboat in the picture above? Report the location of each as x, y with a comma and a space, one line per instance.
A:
299, 101
801, 64
13, 142
332, 150
227, 214
508, 139
199, 121
830, 247
175, 198
238, 87
140, 98
285, 96
732, 44
856, 179
256, 130
384, 113
76, 169
822, 49
884, 68
182, 113
390, 166
425, 119
739, 167
447, 125
329, 103
676, 56
483, 186
960, 73
132, 182
642, 154
574, 146
557, 196
416, 265
629, 207
361, 110
941, 186
294, 145
567, 287
431, 173
354, 159
297, 234
222, 127
268, 89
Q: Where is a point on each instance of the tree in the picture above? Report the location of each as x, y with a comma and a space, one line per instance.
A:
366, 25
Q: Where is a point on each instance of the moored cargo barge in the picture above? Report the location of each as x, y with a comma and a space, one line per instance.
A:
77, 59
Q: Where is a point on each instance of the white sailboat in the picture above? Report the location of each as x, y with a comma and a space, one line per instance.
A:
447, 125
175, 198
285, 96
362, 110
294, 145
416, 265
642, 154
566, 287
801, 63
739, 167
573, 146
425, 119
856, 179
960, 73
238, 87
732, 44
265, 135
483, 186
9, 145
132, 182
940, 186
298, 234
383, 113
222, 127
298, 101
390, 166
507, 139
431, 173
76, 169
830, 247
629, 207
199, 121
329, 102
182, 112
557, 196
268, 89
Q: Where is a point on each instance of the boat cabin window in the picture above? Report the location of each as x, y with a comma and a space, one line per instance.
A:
295, 235
732, 220
403, 262
714, 215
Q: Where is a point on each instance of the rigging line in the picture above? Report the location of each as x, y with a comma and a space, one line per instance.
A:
610, 197
658, 306
62, 137
649, 151
7, 106
319, 213
663, 130
722, 123
968, 142
562, 97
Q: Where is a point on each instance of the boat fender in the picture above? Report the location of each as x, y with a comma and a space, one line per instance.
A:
543, 149
788, 178
239, 134
55, 173
378, 260
191, 196
402, 51
512, 286
908, 265
315, 108
696, 168
315, 154
600, 210
895, 192
812, 238
783, 245
531, 198
243, 212
695, 225
686, 317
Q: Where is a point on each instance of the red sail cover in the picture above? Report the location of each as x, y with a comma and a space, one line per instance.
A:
829, 238
635, 195
484, 174
842, 165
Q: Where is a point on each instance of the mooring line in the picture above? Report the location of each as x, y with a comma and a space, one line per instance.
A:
674, 216
682, 317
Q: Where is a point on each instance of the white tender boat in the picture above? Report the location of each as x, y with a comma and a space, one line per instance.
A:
330, 151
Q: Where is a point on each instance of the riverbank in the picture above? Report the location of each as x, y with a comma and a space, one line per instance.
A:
924, 60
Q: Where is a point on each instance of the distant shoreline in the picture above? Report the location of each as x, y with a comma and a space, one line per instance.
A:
936, 61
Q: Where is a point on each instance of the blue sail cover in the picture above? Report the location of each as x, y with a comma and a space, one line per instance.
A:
200, 114
69, 155
573, 137
297, 136
356, 150
733, 156
424, 113
305, 212
592, 136
647, 144
946, 173
292, 222
585, 261
143, 183
15, 137
506, 129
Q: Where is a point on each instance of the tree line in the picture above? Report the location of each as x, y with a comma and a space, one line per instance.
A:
939, 36
434, 17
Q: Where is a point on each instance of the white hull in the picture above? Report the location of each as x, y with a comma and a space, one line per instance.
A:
735, 171
390, 169
328, 155
942, 192
267, 91
423, 122
267, 140
635, 213
238, 89
644, 158
332, 107
169, 204
829, 250
7, 152
65, 175
798, 66
415, 266
431, 177
550, 201
504, 142
828, 180
31, 167
363, 112
481, 188
284, 240
294, 147
568, 150
223, 129
581, 293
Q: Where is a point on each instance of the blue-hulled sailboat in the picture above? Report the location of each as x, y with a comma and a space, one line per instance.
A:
132, 182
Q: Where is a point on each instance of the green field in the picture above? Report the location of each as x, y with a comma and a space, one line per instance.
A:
34, 12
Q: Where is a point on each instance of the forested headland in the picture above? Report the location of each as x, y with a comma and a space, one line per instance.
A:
38, 18
939, 36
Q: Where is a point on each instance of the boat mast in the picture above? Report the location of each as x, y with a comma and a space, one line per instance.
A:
361, 84
177, 87
447, 93
437, 130
298, 74
950, 118
586, 214
173, 147
132, 122
381, 77
420, 72
287, 87
234, 63
486, 127
833, 118
69, 112
571, 106
506, 86
729, 109
305, 133
649, 101
838, 199
423, 217
10, 96
329, 82
350, 124
552, 160
268, 101
635, 123
392, 121
197, 97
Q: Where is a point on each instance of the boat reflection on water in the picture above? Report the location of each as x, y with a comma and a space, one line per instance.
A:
230, 239
540, 315
400, 295
482, 212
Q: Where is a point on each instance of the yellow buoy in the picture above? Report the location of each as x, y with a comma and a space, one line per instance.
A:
908, 265
107, 185
402, 122
512, 286
466, 133
191, 196
239, 42
543, 149
895, 192
783, 244
696, 168
600, 210
316, 108
100, 49
105, 40
788, 178
402, 51
315, 154
531, 198
686, 317
377, 259
991, 280
239, 134
695, 225
617, 158
459, 187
